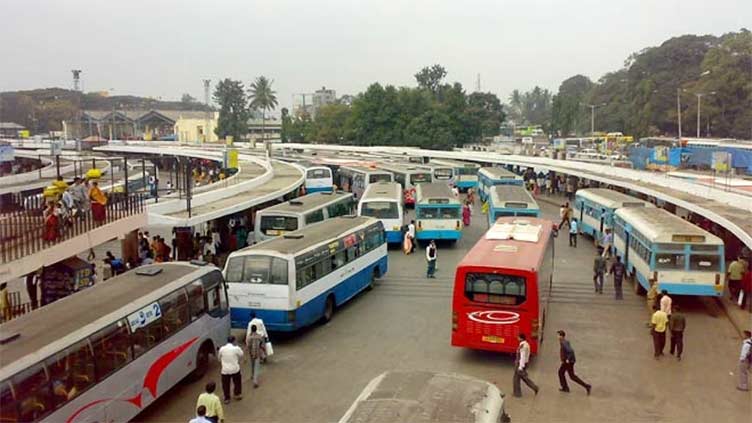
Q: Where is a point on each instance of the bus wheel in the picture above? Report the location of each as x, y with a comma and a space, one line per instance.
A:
202, 362
374, 276
329, 309
638, 289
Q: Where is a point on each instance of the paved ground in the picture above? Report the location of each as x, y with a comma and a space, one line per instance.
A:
404, 323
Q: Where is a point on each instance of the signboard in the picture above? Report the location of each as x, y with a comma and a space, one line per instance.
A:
7, 153
232, 158
721, 161
145, 316
55, 148
228, 139
660, 154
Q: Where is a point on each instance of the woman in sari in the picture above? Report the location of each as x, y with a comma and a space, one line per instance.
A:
466, 214
98, 201
51, 222
407, 243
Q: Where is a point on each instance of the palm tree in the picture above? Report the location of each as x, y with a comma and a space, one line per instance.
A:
262, 98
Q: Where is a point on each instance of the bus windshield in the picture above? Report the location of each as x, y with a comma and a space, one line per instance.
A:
257, 269
417, 178
494, 288
275, 225
705, 262
379, 177
380, 209
443, 173
466, 171
438, 213
318, 174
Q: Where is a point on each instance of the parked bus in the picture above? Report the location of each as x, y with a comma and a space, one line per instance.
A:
383, 201
502, 285
299, 278
657, 246
440, 172
318, 178
438, 213
107, 352
408, 176
297, 213
420, 396
356, 178
595, 207
492, 176
510, 200
465, 173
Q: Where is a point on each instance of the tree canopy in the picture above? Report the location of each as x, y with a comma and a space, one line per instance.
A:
233, 111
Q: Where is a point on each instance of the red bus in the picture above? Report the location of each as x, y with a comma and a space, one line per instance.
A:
501, 286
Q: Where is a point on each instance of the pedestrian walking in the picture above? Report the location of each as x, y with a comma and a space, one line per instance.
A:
411, 233
618, 270
255, 343
261, 329
455, 191
666, 303
229, 356
658, 325
573, 227
431, 256
567, 356
200, 416
520, 367
676, 325
564, 214
606, 242
466, 214
735, 273
211, 403
745, 362
599, 270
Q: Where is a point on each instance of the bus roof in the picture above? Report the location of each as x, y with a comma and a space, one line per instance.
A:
302, 239
511, 253
659, 225
434, 190
306, 202
382, 191
403, 167
611, 199
412, 396
456, 163
497, 173
362, 169
501, 194
51, 323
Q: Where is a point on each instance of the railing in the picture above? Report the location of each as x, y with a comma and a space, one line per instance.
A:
15, 307
22, 232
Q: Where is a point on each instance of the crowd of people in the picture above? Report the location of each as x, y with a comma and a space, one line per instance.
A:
67, 202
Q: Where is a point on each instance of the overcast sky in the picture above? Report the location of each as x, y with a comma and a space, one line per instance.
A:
163, 48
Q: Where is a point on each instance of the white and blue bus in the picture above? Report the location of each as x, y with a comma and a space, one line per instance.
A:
356, 178
297, 213
510, 200
491, 176
658, 246
438, 213
595, 207
465, 173
440, 172
318, 178
383, 201
301, 277
409, 176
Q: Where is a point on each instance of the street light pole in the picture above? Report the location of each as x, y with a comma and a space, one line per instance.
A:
592, 115
678, 109
699, 97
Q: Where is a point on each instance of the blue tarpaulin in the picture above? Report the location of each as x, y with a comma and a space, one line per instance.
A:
689, 157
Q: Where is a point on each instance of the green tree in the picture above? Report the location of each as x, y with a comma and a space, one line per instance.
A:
486, 110
430, 78
566, 108
331, 124
263, 98
431, 129
233, 113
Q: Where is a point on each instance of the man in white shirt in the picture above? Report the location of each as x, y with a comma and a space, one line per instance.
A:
229, 356
745, 362
520, 367
666, 303
411, 233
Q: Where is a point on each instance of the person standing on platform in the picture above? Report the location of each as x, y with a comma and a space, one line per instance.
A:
520, 367
229, 356
211, 403
573, 227
599, 270
566, 354
676, 325
658, 325
618, 270
431, 257
745, 362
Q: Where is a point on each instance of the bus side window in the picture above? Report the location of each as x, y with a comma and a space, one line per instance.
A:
112, 349
196, 300
33, 393
174, 309
71, 372
8, 405
352, 254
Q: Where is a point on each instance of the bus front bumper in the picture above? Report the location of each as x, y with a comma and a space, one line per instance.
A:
437, 234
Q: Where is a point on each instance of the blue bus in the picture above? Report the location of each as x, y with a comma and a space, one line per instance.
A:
301, 277
383, 201
659, 247
510, 200
465, 173
491, 176
438, 213
594, 209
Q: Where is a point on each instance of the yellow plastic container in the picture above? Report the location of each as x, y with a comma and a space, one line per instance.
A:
93, 173
50, 191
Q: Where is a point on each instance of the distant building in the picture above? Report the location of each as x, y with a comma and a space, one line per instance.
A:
153, 124
10, 129
323, 97
192, 128
257, 128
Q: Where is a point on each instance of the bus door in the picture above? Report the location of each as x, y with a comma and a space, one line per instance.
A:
582, 211
603, 216
627, 235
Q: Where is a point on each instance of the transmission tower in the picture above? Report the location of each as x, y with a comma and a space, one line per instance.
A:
76, 79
